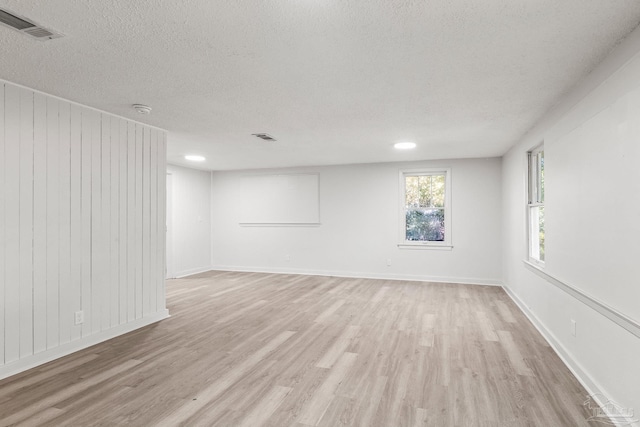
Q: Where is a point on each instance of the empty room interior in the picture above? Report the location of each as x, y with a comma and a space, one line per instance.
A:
320, 213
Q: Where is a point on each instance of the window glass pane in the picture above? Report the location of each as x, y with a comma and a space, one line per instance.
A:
412, 191
418, 191
536, 217
533, 178
425, 225
437, 190
536, 205
541, 176
425, 191
426, 198
541, 232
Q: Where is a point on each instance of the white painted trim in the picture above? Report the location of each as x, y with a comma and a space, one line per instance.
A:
81, 105
425, 245
279, 224
609, 312
359, 275
592, 387
192, 271
403, 243
38, 359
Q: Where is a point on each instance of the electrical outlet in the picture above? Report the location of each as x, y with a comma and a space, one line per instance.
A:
573, 327
388, 262
287, 258
79, 317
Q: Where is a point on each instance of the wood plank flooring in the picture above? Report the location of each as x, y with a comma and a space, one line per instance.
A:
250, 349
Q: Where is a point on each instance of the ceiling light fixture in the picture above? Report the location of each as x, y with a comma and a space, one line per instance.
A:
195, 158
404, 145
142, 109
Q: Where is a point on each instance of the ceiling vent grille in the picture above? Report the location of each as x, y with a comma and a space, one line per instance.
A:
23, 25
264, 136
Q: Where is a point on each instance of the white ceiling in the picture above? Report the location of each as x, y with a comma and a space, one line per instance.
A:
334, 81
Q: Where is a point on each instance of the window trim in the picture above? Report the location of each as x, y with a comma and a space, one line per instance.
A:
534, 199
411, 244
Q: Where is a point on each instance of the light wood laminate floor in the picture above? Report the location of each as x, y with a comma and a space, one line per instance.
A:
249, 349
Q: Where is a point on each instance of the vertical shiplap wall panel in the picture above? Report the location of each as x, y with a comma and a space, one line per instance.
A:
39, 223
137, 227
105, 228
114, 234
131, 222
82, 224
75, 223
162, 219
53, 221
86, 204
64, 250
97, 245
146, 218
12, 224
25, 184
153, 219
122, 222
2, 228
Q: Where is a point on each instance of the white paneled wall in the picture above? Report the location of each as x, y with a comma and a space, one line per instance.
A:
82, 226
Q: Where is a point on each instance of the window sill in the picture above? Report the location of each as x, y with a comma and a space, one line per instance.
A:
425, 246
538, 265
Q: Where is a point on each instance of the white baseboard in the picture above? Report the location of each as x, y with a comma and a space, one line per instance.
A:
581, 375
192, 271
361, 275
38, 359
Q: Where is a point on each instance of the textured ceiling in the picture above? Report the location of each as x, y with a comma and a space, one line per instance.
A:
334, 81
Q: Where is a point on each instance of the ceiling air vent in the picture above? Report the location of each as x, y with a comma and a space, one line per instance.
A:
264, 136
23, 25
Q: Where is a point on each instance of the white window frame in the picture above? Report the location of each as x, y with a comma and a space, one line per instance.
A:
535, 199
412, 244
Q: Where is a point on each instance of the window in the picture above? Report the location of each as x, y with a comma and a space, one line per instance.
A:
425, 208
536, 205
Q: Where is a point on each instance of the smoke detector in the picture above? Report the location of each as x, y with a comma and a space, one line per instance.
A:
26, 26
264, 136
142, 109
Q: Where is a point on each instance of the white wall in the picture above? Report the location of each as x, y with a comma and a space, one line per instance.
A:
359, 215
592, 211
191, 225
81, 227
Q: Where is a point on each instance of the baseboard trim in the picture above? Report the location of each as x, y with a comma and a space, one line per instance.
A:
581, 375
38, 359
609, 312
192, 271
357, 275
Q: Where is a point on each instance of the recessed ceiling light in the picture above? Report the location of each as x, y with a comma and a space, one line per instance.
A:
142, 109
404, 145
194, 158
